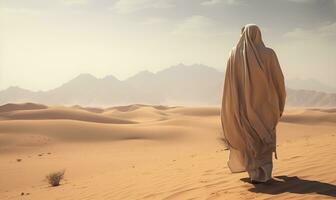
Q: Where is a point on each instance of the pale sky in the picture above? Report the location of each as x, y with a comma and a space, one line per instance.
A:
44, 43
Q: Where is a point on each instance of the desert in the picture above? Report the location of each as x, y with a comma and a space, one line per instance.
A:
155, 152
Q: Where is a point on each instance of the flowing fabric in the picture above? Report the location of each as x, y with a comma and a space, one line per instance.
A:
253, 102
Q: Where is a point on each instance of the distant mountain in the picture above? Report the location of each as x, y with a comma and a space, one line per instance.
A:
309, 98
16, 94
86, 89
177, 85
310, 84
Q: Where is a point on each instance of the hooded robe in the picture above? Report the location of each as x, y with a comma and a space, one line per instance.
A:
253, 102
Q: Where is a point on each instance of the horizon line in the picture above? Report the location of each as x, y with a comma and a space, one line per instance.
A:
111, 75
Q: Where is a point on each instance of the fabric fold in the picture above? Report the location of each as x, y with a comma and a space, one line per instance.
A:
253, 102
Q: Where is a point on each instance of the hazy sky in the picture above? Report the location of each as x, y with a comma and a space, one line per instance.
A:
44, 43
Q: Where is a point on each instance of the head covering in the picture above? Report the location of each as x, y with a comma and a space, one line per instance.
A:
253, 99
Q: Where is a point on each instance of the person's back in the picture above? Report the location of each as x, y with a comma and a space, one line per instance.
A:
253, 101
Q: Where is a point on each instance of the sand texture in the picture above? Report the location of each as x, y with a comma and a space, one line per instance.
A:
155, 152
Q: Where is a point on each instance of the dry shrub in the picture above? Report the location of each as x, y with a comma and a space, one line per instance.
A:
55, 178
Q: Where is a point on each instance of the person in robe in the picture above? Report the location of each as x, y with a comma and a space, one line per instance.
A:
253, 102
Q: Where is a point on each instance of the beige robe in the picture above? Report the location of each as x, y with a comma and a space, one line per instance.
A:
253, 102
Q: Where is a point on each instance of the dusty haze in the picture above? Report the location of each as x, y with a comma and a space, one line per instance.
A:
189, 85
94, 87
45, 43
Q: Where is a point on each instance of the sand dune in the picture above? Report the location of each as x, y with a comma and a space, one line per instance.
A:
155, 152
62, 113
140, 113
311, 116
201, 111
90, 109
26, 106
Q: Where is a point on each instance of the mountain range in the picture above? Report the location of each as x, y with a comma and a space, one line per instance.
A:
176, 85
309, 84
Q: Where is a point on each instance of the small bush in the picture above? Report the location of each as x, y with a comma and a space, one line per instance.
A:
55, 178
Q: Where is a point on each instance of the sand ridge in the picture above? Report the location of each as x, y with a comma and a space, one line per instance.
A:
155, 152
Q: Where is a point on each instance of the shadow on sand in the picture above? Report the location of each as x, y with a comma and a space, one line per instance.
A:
293, 184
